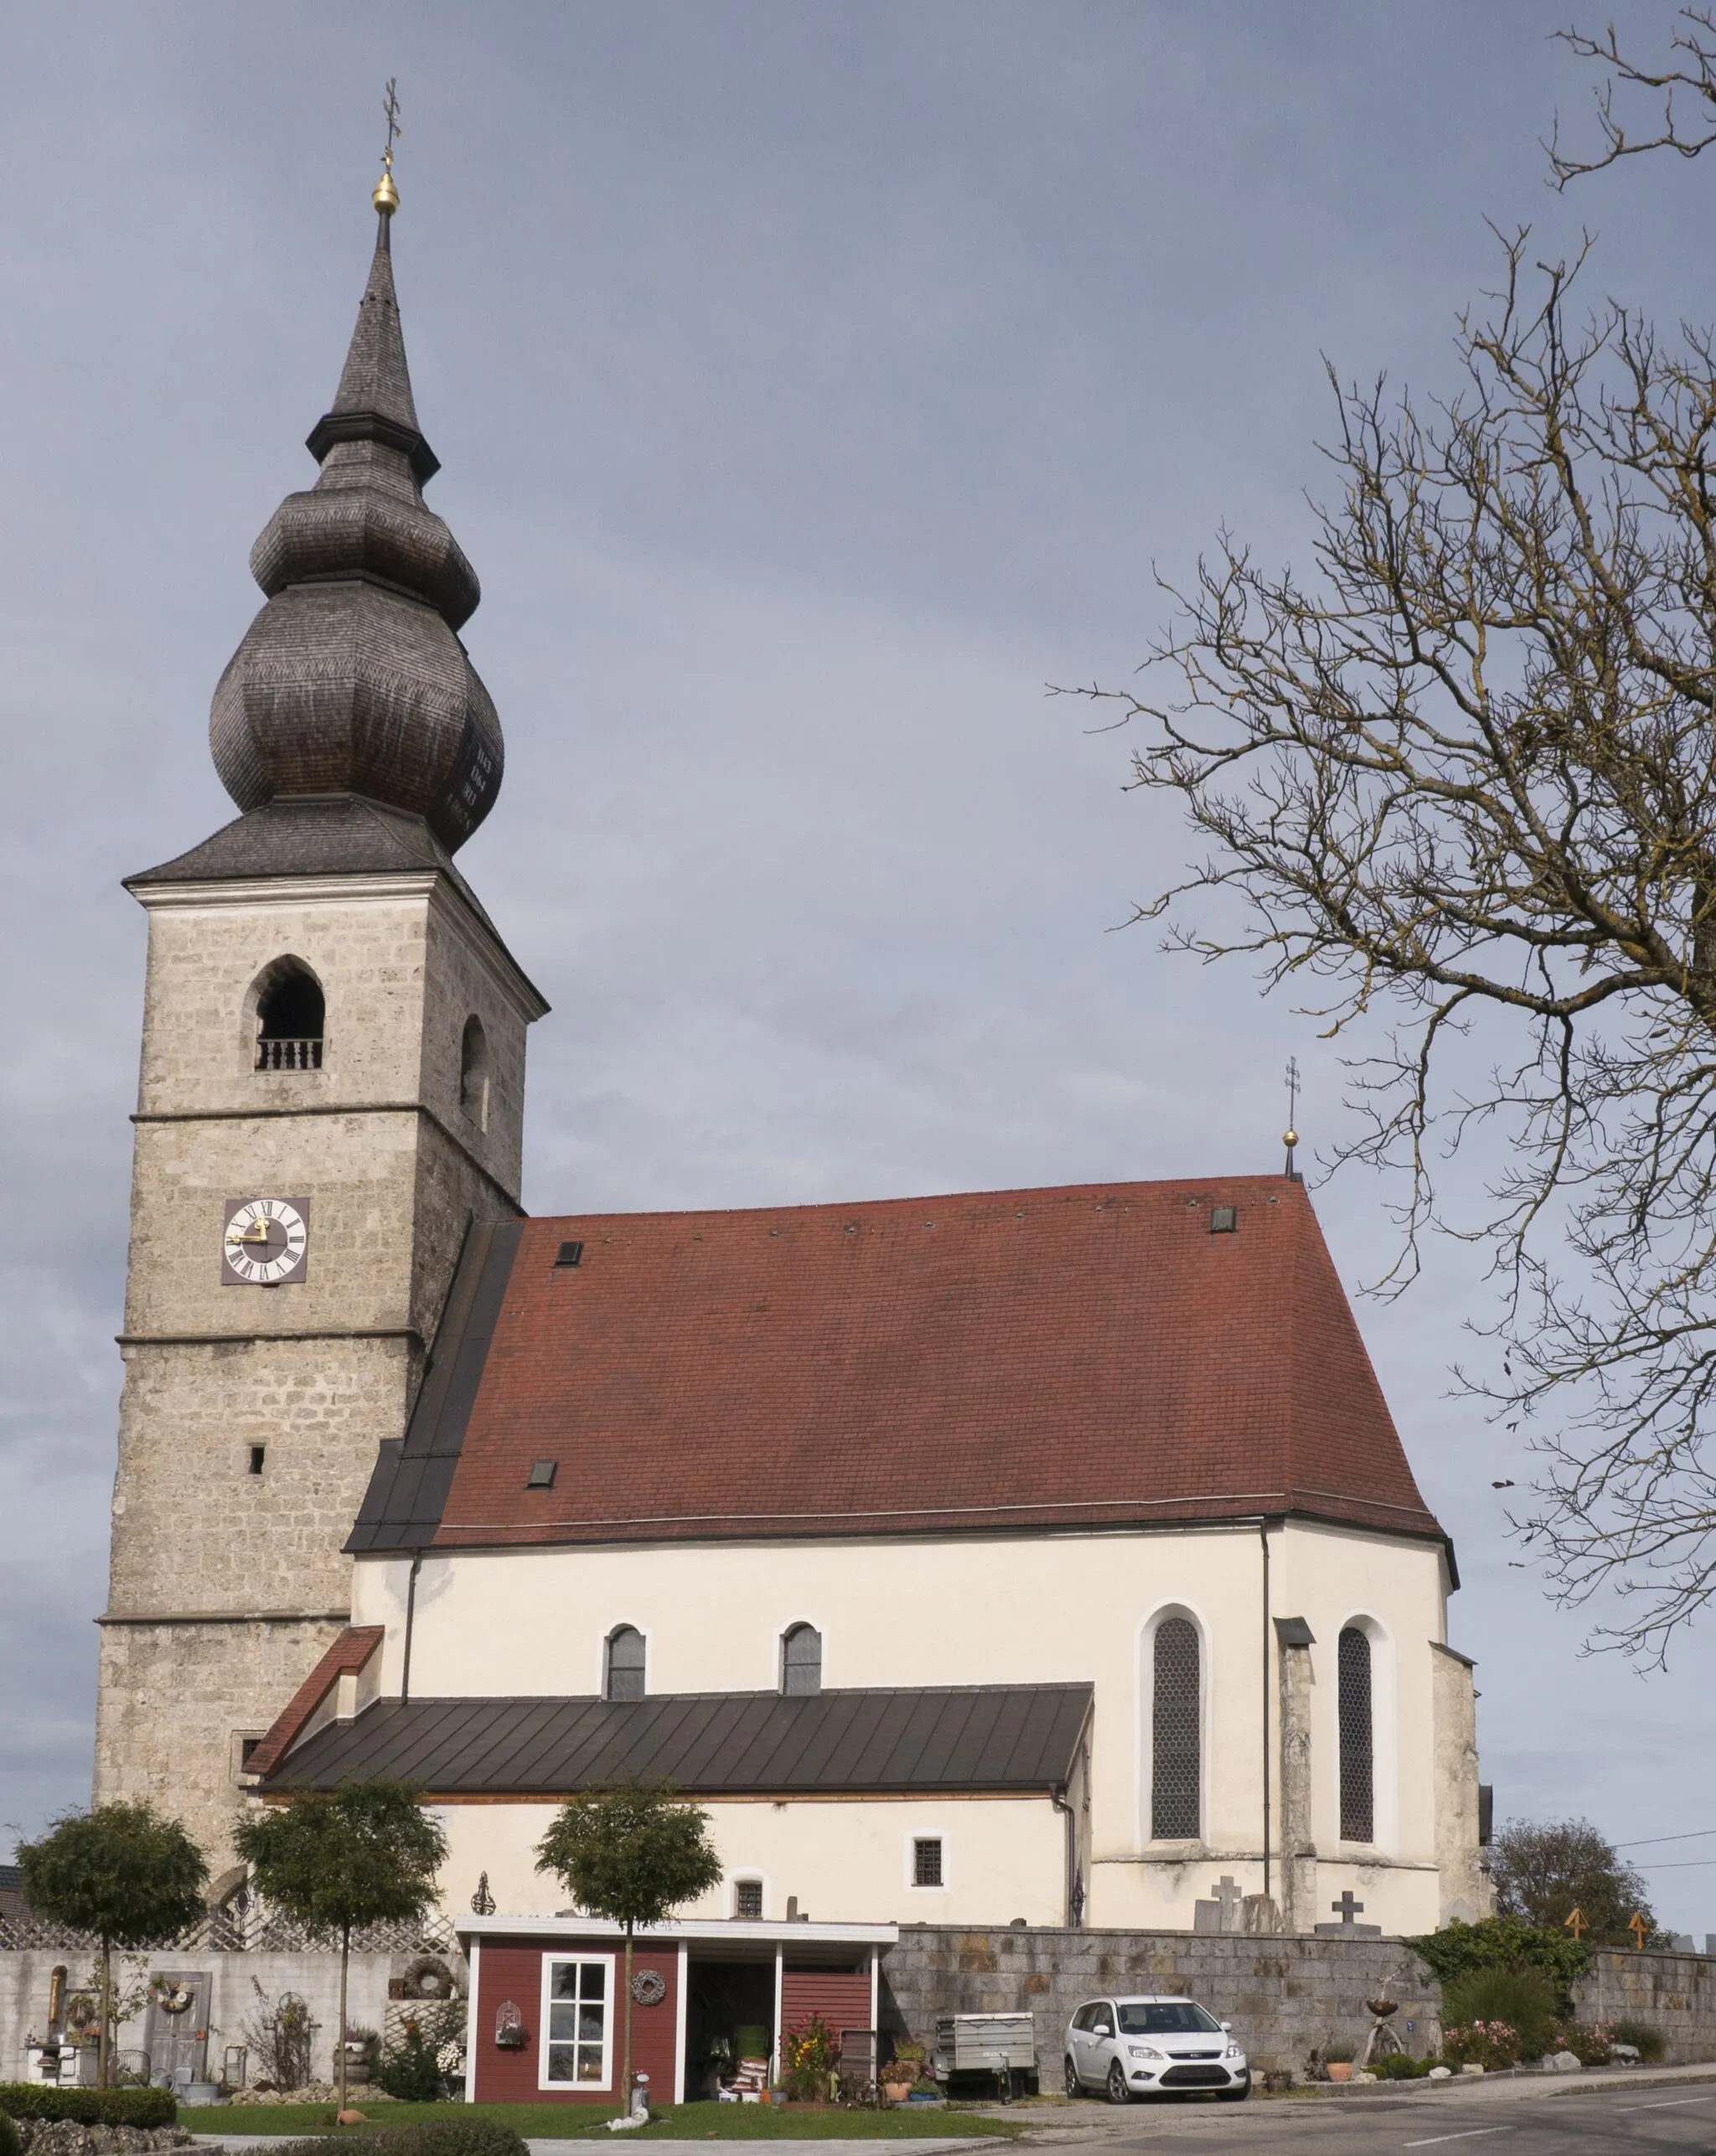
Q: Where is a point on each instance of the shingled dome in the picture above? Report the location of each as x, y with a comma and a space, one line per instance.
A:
353, 679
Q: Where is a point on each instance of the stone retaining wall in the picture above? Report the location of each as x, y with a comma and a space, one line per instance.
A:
1283, 1995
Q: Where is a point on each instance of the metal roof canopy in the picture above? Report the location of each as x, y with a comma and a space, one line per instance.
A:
723, 1937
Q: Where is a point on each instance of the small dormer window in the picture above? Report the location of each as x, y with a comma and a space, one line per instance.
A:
291, 1016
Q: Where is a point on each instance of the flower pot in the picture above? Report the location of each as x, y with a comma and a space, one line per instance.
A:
897, 2091
1340, 2069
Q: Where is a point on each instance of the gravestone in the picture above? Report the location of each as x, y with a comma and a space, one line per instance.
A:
1224, 1911
1347, 1909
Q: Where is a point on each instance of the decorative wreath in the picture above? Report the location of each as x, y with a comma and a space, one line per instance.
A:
428, 1976
649, 1986
173, 1998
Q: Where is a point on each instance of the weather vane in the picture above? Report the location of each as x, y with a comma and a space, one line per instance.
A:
1290, 1136
386, 195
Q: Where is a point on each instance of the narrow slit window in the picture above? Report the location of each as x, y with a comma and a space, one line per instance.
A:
259, 1453
1358, 1809
1177, 1708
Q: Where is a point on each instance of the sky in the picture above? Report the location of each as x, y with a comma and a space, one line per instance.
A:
814, 380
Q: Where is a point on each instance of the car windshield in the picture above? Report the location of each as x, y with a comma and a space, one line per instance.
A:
1166, 2017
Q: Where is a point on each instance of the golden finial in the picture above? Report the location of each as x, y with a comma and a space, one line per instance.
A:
386, 195
1290, 1136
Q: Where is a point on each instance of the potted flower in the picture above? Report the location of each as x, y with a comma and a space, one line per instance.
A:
903, 2070
1337, 2058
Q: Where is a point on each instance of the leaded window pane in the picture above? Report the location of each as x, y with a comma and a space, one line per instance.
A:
1357, 1768
625, 1663
1176, 1734
801, 1662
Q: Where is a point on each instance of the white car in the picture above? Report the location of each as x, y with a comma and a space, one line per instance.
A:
1132, 2047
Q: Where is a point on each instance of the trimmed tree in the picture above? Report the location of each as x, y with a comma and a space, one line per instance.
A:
337, 1860
633, 1855
122, 1872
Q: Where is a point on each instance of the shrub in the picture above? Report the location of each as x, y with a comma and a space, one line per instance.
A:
1589, 2044
9, 2136
90, 2106
1646, 2040
1492, 2044
1505, 1942
813, 2051
1400, 2066
411, 2070
1524, 2000
452, 2137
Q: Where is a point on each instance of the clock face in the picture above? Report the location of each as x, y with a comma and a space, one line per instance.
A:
266, 1243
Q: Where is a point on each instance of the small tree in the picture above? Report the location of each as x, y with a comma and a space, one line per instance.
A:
632, 1855
1544, 1871
125, 1874
336, 1859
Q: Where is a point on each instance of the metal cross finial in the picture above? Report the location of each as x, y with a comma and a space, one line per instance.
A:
390, 106
1290, 1136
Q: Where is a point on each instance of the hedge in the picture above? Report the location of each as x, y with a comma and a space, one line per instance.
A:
92, 2106
470, 2136
9, 2136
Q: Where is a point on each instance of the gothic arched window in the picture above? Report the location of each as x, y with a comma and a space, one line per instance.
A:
801, 1660
623, 1676
1177, 1708
1358, 1811
473, 1072
290, 1018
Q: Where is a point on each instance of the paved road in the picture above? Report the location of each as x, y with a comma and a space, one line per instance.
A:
1510, 2120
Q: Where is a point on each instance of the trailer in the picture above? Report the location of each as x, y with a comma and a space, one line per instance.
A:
1002, 2047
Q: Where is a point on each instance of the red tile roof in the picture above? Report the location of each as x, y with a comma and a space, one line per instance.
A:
989, 1360
344, 1658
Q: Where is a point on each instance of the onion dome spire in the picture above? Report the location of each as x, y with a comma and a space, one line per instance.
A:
352, 679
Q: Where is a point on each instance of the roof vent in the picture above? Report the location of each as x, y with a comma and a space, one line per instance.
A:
1224, 1219
542, 1474
570, 1254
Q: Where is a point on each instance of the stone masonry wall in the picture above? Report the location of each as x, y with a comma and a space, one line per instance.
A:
1283, 1995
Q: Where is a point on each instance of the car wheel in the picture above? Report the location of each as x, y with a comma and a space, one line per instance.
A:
1234, 2095
1118, 2091
1075, 2088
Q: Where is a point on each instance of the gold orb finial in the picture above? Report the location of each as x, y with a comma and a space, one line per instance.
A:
1290, 1136
385, 197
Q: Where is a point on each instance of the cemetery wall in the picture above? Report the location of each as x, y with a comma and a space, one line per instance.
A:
1283, 1994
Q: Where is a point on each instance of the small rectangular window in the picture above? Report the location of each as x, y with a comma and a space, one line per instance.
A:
1224, 1219
258, 1454
748, 1897
570, 1254
248, 1750
542, 1474
927, 1861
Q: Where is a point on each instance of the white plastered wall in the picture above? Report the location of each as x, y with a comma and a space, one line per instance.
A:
1050, 1608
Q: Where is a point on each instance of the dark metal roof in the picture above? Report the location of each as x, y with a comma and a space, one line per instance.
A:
409, 1483
1005, 1738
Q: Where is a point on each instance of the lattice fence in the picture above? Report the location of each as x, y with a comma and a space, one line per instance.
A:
253, 1930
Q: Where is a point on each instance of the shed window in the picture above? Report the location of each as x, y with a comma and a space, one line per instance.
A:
926, 1860
801, 1660
748, 1897
1175, 1736
624, 1675
577, 2039
1359, 1822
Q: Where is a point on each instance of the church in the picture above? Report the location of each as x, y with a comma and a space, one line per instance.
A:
1040, 1556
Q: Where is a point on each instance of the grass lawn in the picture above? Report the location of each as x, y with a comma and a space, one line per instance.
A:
686, 2122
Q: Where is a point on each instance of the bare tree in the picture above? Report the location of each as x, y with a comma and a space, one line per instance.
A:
1462, 775
1689, 78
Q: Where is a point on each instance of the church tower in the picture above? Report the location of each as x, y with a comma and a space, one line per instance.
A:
330, 1096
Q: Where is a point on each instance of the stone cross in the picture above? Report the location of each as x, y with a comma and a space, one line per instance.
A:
1346, 1908
1229, 1894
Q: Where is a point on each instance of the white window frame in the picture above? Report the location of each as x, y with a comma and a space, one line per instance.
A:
550, 1962
926, 1834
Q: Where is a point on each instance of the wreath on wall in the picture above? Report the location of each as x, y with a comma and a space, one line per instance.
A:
172, 1996
649, 1986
